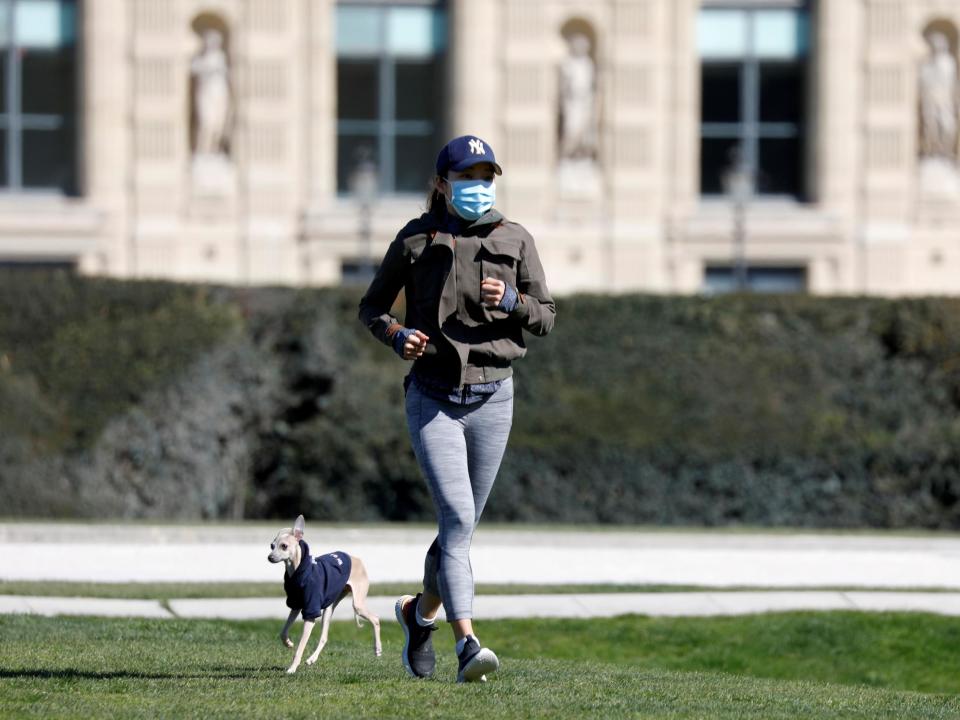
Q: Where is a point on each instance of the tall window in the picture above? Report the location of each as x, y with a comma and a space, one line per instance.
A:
390, 93
754, 63
38, 65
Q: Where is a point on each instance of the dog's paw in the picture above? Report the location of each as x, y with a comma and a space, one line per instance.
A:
291, 670
311, 660
287, 642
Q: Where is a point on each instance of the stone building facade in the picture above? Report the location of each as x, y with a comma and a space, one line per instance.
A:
653, 145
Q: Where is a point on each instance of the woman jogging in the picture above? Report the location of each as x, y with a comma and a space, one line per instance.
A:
473, 282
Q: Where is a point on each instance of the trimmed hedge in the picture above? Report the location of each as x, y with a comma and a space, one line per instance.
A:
159, 400
76, 352
757, 410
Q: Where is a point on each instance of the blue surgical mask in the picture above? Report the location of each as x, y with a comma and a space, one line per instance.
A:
472, 198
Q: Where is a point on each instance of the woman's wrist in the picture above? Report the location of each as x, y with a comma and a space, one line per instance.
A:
400, 337
510, 299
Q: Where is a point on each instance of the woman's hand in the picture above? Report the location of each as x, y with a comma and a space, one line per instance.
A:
491, 291
415, 345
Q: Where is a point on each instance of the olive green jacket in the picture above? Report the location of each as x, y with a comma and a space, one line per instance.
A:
441, 275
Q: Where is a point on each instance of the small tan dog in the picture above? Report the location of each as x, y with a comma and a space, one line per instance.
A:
315, 586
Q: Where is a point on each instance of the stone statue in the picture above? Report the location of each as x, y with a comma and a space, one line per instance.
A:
578, 116
939, 106
211, 95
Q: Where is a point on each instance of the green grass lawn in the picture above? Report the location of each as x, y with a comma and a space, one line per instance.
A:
795, 665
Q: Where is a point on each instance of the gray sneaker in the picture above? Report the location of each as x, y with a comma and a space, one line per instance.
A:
476, 662
418, 656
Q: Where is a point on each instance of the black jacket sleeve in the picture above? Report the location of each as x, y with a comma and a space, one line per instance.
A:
380, 296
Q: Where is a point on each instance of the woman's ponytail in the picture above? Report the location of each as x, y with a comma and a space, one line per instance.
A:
436, 200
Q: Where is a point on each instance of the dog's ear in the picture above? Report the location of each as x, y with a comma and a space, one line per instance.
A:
298, 527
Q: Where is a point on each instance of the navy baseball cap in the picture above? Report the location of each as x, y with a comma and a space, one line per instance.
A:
464, 151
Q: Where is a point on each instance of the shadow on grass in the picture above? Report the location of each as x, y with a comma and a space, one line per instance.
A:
232, 673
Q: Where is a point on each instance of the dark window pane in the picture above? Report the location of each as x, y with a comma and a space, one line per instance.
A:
358, 90
723, 279
48, 81
418, 90
4, 177
354, 153
415, 164
48, 159
779, 167
34, 265
781, 93
777, 280
3, 73
716, 158
721, 93
719, 280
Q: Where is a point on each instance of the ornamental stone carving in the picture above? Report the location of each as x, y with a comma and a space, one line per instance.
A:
578, 88
939, 100
211, 95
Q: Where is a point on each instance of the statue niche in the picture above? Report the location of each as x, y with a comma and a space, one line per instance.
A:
578, 88
939, 98
578, 142
211, 108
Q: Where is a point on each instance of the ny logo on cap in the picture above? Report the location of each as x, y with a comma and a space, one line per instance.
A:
476, 147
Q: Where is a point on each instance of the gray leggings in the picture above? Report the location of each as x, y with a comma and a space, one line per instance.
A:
459, 448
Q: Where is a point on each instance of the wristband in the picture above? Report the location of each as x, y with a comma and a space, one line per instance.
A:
510, 300
399, 338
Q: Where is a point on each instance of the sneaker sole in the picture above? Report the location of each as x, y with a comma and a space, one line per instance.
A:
476, 670
398, 609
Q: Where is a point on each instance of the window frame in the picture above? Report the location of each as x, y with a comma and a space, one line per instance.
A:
755, 273
386, 128
14, 122
750, 130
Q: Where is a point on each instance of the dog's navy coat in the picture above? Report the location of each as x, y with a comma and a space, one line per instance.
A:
317, 582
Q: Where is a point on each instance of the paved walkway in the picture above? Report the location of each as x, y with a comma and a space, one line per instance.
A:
220, 553
217, 553
690, 604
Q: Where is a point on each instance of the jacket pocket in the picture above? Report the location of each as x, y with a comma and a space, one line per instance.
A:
428, 268
499, 259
